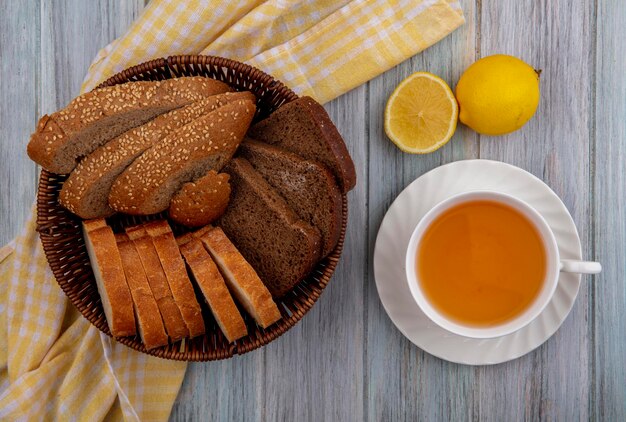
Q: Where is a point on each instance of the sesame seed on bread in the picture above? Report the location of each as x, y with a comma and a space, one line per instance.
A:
149, 183
92, 119
303, 127
279, 245
201, 202
86, 191
307, 186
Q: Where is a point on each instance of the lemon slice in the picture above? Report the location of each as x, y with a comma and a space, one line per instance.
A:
421, 114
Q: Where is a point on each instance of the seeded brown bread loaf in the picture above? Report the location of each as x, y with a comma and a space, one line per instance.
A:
151, 328
149, 183
170, 313
201, 202
92, 119
86, 191
280, 246
110, 279
303, 126
241, 279
214, 290
179, 282
307, 186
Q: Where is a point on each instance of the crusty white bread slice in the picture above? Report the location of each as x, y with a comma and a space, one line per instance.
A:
179, 282
151, 329
214, 289
86, 190
94, 118
110, 279
208, 143
242, 280
172, 318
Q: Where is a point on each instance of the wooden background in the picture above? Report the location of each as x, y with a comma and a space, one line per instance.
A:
346, 361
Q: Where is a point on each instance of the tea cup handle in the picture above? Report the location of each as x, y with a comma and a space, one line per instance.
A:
582, 267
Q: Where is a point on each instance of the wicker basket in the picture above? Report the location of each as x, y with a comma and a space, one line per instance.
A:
65, 250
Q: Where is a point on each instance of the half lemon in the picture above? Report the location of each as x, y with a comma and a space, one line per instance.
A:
421, 114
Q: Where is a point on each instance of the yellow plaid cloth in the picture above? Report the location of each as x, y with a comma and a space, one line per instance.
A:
53, 364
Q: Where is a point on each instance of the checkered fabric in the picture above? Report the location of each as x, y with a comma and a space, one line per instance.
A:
53, 364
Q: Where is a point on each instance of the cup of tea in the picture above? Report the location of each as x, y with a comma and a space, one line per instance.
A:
484, 264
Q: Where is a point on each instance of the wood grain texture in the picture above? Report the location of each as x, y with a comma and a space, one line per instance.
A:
608, 293
345, 360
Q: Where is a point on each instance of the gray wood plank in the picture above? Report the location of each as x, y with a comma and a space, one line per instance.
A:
19, 50
552, 382
402, 381
608, 401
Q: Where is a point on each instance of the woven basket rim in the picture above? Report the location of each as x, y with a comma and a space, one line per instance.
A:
59, 229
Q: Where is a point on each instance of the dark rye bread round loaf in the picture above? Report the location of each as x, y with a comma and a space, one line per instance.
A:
307, 186
280, 246
303, 127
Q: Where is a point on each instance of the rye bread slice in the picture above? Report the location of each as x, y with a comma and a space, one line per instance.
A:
280, 246
86, 191
307, 186
94, 118
149, 183
303, 127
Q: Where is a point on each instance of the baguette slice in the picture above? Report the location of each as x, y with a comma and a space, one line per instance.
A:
86, 191
170, 313
242, 280
280, 246
303, 126
92, 119
214, 290
149, 183
174, 267
110, 279
307, 186
151, 329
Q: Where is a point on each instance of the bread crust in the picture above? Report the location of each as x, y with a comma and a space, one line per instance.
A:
93, 118
334, 155
169, 311
242, 280
309, 187
151, 328
214, 290
179, 282
86, 190
201, 202
208, 143
111, 281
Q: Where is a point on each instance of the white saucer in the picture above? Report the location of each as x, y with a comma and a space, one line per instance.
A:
393, 239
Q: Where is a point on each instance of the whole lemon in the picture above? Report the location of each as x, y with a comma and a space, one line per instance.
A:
498, 94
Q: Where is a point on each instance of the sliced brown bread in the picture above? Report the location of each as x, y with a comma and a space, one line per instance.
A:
241, 279
110, 279
92, 119
149, 183
280, 246
201, 202
170, 313
179, 282
151, 328
303, 126
86, 191
214, 289
307, 186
